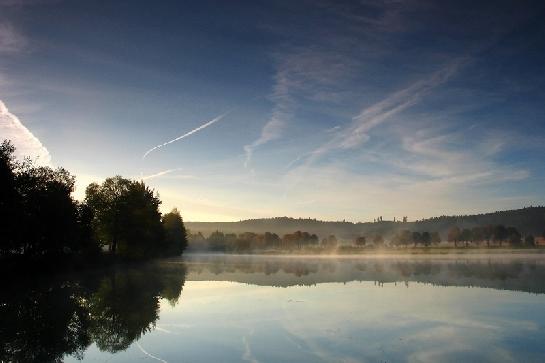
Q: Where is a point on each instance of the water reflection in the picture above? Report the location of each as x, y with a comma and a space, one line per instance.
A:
239, 307
44, 320
526, 273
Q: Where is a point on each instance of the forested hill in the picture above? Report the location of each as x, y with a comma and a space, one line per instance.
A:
527, 220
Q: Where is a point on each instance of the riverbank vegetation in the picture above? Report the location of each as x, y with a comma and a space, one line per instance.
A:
42, 221
481, 236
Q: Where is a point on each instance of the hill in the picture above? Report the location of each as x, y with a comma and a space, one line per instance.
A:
530, 220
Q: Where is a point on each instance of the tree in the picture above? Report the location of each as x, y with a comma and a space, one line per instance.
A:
126, 217
272, 240
378, 240
500, 234
465, 235
488, 233
403, 238
416, 238
435, 238
175, 233
513, 236
454, 235
477, 234
330, 241
529, 240
40, 216
360, 241
10, 203
216, 241
108, 202
426, 238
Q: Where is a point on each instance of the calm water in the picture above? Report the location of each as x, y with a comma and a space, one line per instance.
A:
282, 309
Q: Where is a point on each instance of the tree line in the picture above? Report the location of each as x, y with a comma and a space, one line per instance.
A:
120, 216
224, 242
248, 241
529, 220
498, 234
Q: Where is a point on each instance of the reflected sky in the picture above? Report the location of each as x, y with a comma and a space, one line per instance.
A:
236, 309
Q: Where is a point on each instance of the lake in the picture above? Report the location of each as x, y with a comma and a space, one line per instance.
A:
226, 308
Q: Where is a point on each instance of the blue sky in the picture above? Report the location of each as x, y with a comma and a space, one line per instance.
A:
331, 110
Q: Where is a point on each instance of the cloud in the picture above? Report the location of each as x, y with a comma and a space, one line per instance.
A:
281, 113
11, 128
271, 131
11, 41
203, 126
300, 76
356, 133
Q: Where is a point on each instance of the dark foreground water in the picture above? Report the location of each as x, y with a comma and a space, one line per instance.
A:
282, 309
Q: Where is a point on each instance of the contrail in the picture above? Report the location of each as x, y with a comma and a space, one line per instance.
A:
203, 126
161, 173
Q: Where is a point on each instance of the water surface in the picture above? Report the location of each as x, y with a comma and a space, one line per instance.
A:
218, 308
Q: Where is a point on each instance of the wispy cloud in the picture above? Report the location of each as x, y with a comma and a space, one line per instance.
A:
300, 76
272, 130
11, 41
281, 113
27, 144
356, 133
203, 126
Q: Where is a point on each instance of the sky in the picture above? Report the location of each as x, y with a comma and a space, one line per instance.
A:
335, 110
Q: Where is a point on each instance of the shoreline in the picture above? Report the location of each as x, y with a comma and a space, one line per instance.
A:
384, 253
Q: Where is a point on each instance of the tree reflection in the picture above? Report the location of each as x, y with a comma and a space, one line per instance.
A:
47, 320
42, 324
522, 274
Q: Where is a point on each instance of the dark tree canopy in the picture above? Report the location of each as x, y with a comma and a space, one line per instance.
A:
41, 219
175, 233
126, 217
40, 216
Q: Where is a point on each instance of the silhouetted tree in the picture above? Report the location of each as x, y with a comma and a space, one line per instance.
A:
39, 215
529, 240
175, 233
10, 201
126, 217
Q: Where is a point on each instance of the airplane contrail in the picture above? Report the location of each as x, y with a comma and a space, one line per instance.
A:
186, 134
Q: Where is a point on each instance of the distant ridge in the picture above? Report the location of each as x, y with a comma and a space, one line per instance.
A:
529, 220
